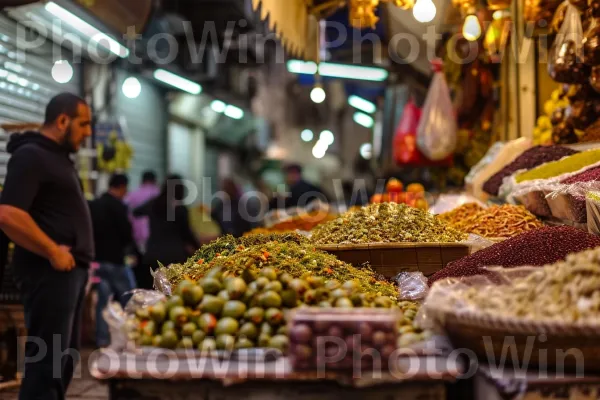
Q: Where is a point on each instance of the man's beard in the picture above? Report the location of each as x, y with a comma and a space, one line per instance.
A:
67, 143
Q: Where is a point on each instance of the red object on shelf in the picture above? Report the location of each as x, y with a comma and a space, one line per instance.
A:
405, 147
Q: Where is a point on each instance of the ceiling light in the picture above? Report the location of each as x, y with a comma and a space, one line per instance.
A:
307, 135
362, 104
424, 11
234, 112
327, 137
318, 95
319, 151
344, 71
88, 30
302, 67
131, 87
218, 106
472, 28
177, 81
366, 151
364, 120
62, 71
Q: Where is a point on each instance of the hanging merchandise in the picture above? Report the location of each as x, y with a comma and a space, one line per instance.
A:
437, 131
114, 153
591, 40
405, 139
566, 55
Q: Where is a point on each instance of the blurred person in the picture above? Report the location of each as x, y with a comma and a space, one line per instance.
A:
43, 210
112, 236
146, 192
300, 191
171, 239
227, 213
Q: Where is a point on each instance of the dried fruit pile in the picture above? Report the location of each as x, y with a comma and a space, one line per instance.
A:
529, 159
567, 291
537, 247
222, 311
460, 213
499, 222
290, 257
386, 222
303, 222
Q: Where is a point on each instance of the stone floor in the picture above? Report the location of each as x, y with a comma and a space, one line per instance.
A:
84, 387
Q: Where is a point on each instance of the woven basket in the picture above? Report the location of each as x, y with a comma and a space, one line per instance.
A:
549, 344
389, 259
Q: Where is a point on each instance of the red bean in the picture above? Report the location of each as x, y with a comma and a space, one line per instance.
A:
592, 174
536, 248
531, 158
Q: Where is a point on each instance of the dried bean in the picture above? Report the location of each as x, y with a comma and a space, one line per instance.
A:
538, 247
529, 159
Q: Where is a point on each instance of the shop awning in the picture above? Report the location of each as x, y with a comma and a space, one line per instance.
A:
291, 22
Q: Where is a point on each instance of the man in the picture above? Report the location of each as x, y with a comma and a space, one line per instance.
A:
44, 212
112, 236
146, 192
301, 192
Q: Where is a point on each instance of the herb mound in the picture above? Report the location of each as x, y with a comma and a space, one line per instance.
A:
387, 223
298, 260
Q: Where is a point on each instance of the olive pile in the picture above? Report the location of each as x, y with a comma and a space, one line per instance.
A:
226, 312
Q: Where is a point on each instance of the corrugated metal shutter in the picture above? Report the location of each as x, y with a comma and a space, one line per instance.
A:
26, 85
145, 126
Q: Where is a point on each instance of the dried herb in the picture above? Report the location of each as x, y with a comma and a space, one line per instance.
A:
228, 244
385, 222
295, 259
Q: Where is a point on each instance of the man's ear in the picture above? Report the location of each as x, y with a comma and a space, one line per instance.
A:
62, 121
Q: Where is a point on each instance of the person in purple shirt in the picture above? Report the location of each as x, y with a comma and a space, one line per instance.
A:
146, 192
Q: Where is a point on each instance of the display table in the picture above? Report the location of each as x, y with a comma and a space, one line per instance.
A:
143, 376
491, 384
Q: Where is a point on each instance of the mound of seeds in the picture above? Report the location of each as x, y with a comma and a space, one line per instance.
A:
385, 222
531, 158
537, 247
295, 259
567, 291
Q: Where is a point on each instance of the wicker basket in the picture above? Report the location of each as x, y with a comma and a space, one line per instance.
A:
552, 345
389, 259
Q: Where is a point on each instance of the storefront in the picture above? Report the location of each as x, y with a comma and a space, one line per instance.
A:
28, 79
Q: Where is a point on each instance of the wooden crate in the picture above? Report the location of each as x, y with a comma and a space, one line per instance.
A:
389, 259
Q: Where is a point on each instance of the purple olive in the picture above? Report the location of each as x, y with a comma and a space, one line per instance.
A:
379, 338
301, 333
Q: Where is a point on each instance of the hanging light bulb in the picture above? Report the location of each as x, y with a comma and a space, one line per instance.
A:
318, 94
424, 11
471, 28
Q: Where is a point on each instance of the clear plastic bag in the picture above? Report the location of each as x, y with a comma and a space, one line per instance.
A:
437, 131
592, 202
489, 157
566, 55
412, 286
448, 202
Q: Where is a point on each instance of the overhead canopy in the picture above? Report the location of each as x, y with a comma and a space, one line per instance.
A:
289, 19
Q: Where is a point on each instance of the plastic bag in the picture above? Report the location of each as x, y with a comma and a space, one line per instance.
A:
566, 55
568, 202
405, 139
437, 131
448, 202
411, 285
592, 200
490, 156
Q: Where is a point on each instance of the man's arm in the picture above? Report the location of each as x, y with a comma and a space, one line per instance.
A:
23, 181
22, 230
